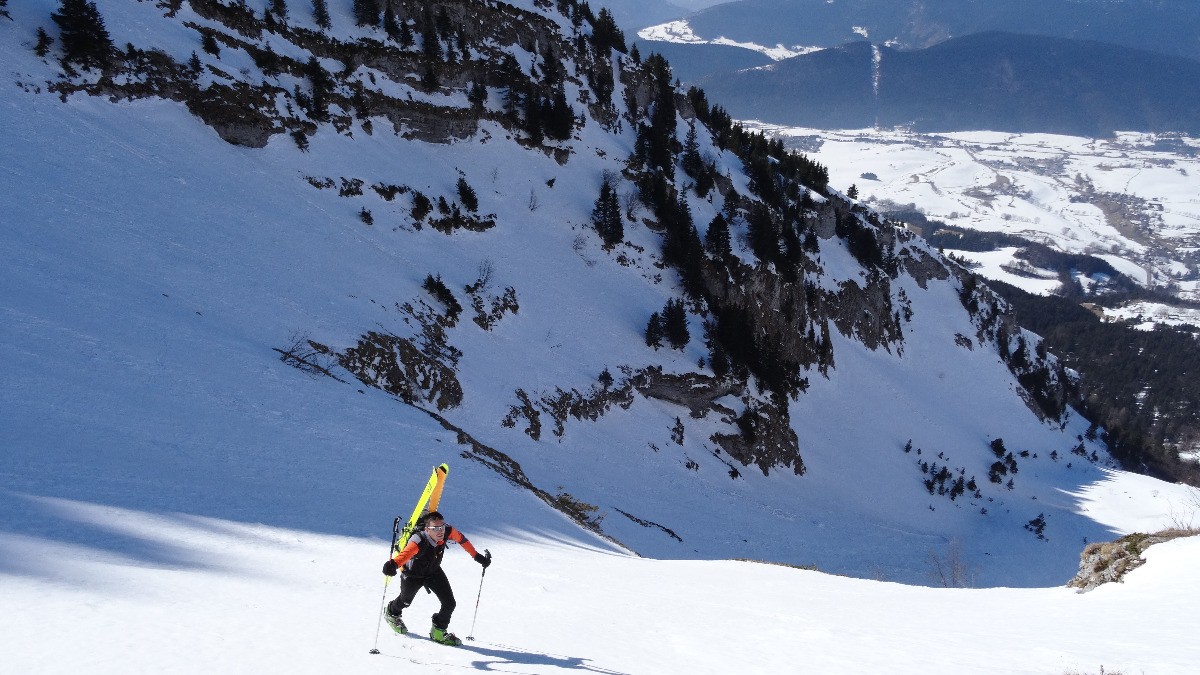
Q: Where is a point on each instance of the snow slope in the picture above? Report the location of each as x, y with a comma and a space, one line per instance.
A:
186, 594
174, 497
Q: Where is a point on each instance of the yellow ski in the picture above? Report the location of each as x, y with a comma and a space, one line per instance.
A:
435, 497
431, 496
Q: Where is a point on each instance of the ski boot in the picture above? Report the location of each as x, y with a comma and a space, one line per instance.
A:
443, 636
395, 622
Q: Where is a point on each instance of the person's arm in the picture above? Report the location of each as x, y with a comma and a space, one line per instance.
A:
457, 536
393, 564
459, 539
409, 551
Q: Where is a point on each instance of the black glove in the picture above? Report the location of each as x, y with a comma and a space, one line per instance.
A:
484, 560
390, 567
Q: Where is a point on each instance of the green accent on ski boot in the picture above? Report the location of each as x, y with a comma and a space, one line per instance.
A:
396, 623
443, 636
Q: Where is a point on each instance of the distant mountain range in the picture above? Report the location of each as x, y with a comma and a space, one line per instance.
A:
996, 81
1082, 67
691, 63
1166, 26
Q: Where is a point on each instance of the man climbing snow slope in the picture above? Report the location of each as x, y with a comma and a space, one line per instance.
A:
421, 559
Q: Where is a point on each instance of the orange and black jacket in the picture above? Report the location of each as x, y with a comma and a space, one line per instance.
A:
421, 556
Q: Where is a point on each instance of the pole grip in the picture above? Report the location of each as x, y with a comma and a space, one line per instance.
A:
395, 535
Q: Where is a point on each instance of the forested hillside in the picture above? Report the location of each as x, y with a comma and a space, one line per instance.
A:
1139, 386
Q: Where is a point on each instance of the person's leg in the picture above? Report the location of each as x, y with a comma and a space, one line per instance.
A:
440, 585
408, 590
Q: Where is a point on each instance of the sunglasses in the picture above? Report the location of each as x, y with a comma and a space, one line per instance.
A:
436, 528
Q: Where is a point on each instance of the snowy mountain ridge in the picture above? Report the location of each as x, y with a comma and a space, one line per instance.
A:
913, 403
679, 31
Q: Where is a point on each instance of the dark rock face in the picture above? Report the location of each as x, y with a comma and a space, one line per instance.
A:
398, 366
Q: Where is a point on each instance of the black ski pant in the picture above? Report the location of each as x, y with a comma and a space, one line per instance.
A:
436, 582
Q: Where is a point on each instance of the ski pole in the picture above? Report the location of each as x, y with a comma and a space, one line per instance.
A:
478, 595
386, 579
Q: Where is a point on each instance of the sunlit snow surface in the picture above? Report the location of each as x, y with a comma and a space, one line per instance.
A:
195, 595
173, 498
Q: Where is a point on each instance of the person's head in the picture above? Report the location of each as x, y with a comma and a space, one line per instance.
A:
435, 525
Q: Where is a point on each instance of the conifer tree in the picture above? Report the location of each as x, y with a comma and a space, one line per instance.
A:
513, 97
600, 79
466, 195
654, 331
421, 206
681, 244
718, 359
674, 323
430, 44
716, 238
322, 86
477, 95
443, 24
43, 42
278, 9
391, 25
533, 122
321, 14
429, 78
706, 180
764, 234
407, 39
661, 143
560, 118
366, 13
730, 207
300, 139
84, 39
606, 34
691, 161
606, 216
210, 46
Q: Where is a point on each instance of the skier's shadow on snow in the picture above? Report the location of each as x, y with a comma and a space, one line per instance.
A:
514, 656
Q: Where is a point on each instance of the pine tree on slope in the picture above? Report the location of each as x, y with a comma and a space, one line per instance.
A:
321, 14
279, 10
84, 39
366, 13
606, 216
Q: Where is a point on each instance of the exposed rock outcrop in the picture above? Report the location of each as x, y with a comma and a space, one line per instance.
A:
1104, 562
